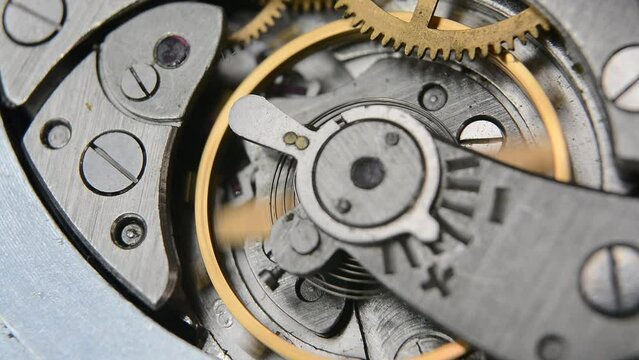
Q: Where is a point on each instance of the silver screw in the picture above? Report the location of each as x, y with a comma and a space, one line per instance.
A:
433, 97
483, 136
33, 22
620, 79
343, 206
140, 82
56, 134
609, 282
308, 292
128, 231
113, 163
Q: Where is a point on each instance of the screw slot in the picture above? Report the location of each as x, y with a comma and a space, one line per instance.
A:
128, 231
608, 281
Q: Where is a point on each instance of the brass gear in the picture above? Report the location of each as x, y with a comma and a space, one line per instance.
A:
420, 34
311, 5
271, 11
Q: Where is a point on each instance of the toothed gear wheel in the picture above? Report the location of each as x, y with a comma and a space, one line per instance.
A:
414, 34
311, 5
265, 19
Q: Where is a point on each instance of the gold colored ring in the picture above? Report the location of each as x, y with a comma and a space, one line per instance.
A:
331, 34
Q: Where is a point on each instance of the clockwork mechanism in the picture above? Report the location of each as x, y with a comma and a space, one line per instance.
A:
352, 179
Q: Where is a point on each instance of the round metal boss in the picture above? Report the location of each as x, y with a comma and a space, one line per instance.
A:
378, 180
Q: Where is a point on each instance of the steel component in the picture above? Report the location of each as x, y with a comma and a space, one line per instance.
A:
328, 35
266, 18
113, 163
486, 216
44, 276
413, 34
33, 22
378, 182
589, 37
140, 82
24, 68
483, 136
138, 42
608, 280
271, 277
414, 217
433, 97
620, 79
308, 292
56, 134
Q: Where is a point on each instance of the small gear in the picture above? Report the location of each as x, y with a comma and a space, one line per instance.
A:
271, 11
414, 34
311, 5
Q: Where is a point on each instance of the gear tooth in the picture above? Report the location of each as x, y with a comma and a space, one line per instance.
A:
483, 50
364, 28
433, 54
356, 22
421, 51
446, 54
534, 32
472, 53
459, 55
396, 44
386, 39
408, 49
523, 38
374, 34
510, 43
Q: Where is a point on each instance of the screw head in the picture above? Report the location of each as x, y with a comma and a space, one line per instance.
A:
483, 136
128, 231
56, 134
172, 51
620, 79
433, 97
608, 280
343, 206
140, 82
113, 163
33, 22
307, 292
392, 138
